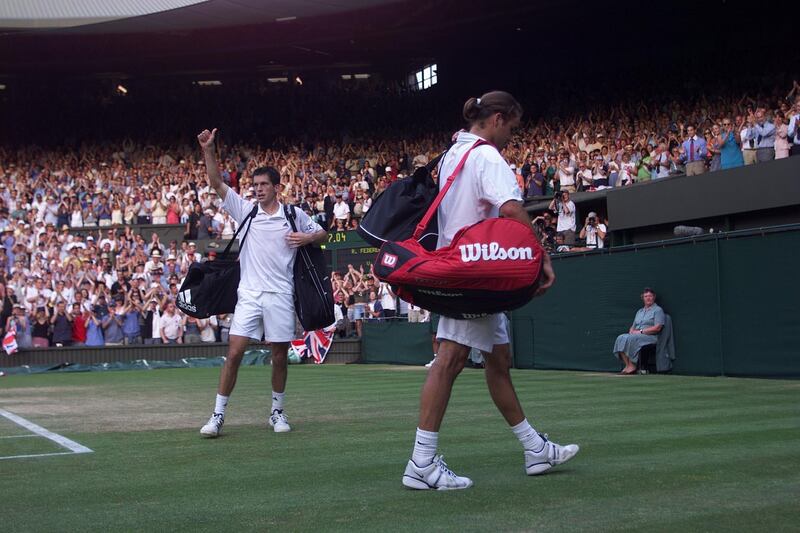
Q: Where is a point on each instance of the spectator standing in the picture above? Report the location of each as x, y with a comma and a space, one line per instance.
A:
62, 325
662, 161
565, 208
584, 177
112, 325
535, 182
94, 329
191, 329
79, 316
415, 313
388, 300
729, 143
171, 325
793, 131
193, 224
594, 231
131, 328
782, 145
19, 323
566, 174
224, 322
159, 210
151, 323
762, 130
374, 307
715, 149
748, 145
693, 152
205, 229
208, 329
6, 305
341, 211
40, 329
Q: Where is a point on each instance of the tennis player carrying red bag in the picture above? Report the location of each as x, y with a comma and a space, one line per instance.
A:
489, 267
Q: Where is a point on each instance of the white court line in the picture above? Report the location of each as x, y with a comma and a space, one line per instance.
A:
18, 436
36, 455
62, 441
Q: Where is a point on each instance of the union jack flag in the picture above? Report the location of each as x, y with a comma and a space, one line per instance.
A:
314, 344
10, 342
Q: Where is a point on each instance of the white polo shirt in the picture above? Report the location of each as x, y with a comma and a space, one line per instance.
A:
485, 183
266, 259
341, 210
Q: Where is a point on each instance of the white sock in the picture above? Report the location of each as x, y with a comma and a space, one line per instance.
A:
222, 402
277, 401
425, 447
528, 436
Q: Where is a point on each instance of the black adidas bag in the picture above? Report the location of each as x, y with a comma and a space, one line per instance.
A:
210, 288
313, 294
396, 212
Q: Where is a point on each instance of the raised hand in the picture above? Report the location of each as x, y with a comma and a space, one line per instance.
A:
206, 138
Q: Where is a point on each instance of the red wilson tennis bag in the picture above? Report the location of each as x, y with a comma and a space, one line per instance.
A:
489, 267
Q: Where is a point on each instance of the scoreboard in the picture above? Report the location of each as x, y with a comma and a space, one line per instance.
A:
348, 248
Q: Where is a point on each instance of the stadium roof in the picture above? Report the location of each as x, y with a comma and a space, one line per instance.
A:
145, 16
61, 39
119, 38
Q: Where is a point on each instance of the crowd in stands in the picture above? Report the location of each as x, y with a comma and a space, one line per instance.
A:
117, 286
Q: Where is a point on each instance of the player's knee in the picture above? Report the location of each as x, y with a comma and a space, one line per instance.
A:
235, 355
450, 365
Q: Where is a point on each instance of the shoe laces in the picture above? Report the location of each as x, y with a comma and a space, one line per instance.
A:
439, 462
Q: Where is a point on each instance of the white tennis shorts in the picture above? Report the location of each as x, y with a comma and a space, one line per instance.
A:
481, 333
258, 313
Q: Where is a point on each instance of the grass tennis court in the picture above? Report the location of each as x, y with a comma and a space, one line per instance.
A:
657, 453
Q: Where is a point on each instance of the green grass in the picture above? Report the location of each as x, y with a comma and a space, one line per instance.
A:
657, 453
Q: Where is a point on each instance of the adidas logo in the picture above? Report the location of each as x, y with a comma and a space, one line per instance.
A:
184, 301
493, 252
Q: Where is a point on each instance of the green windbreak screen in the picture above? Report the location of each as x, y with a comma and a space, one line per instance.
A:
733, 303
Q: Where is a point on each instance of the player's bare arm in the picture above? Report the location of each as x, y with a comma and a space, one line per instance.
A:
206, 139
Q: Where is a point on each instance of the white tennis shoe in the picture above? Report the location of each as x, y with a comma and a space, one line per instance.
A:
279, 422
550, 455
436, 476
213, 427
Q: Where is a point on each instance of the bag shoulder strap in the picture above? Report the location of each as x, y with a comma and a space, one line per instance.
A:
249, 220
288, 210
439, 197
